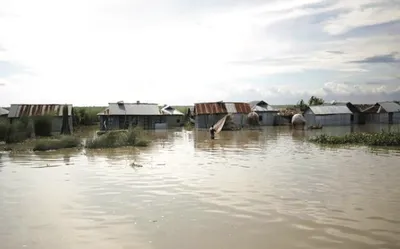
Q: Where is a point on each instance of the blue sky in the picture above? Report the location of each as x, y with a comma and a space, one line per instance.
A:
91, 52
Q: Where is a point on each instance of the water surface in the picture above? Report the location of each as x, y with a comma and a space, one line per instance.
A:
246, 189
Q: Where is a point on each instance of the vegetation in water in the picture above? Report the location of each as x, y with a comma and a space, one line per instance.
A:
16, 132
120, 138
86, 116
62, 142
43, 125
188, 126
372, 139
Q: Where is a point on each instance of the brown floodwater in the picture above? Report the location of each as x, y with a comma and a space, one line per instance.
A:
266, 188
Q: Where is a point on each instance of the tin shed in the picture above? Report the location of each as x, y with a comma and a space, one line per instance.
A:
122, 115
328, 115
383, 113
266, 113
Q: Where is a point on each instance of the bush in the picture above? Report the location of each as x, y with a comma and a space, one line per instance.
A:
43, 126
56, 144
120, 138
86, 116
371, 139
4, 127
18, 131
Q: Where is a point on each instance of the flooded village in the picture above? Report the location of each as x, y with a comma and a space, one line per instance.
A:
144, 175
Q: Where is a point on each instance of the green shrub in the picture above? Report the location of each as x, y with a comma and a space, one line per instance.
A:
85, 116
4, 127
43, 126
56, 144
188, 126
120, 138
18, 131
371, 139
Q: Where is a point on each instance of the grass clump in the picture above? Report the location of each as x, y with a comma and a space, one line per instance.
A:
371, 139
63, 142
188, 126
17, 132
120, 138
43, 125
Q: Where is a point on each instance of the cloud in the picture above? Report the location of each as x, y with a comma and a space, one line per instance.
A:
182, 52
386, 58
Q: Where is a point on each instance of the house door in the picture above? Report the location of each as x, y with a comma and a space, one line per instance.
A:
352, 118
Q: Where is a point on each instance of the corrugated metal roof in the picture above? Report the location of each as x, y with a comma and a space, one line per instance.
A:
330, 109
230, 107
221, 108
105, 112
390, 106
261, 106
3, 112
133, 109
210, 108
169, 110
17, 110
242, 108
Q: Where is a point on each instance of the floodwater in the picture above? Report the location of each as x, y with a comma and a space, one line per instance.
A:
246, 189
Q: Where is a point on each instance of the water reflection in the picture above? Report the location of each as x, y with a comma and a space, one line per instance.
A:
245, 189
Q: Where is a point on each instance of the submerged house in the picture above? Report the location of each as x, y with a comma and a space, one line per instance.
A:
328, 115
208, 114
3, 112
382, 113
122, 115
173, 117
18, 111
266, 113
356, 117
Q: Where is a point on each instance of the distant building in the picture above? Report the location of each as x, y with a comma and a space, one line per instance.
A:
122, 115
207, 114
382, 113
3, 112
18, 111
356, 113
328, 115
174, 118
266, 113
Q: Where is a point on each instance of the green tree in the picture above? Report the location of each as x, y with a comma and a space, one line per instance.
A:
302, 105
315, 101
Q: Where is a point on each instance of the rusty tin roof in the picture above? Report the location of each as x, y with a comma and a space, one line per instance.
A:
221, 108
17, 110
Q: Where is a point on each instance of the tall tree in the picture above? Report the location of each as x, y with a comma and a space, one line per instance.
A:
315, 101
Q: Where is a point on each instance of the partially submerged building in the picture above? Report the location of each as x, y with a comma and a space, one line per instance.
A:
18, 111
122, 115
3, 112
174, 118
382, 113
208, 114
266, 113
328, 115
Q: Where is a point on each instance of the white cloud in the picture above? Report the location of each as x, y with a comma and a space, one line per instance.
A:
93, 52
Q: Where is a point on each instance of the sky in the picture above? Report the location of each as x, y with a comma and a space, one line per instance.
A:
180, 52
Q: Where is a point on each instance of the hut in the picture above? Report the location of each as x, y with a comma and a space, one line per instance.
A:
122, 115
173, 117
328, 115
356, 113
382, 113
207, 114
266, 113
3, 112
18, 111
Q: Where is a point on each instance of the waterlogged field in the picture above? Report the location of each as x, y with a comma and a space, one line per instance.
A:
248, 189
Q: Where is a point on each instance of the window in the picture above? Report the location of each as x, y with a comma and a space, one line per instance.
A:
178, 120
260, 118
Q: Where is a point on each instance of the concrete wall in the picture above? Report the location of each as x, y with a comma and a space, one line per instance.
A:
328, 120
267, 118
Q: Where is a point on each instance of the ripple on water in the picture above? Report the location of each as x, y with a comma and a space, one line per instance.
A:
268, 188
